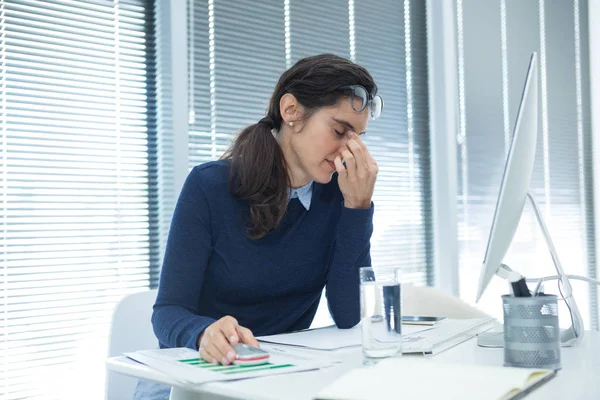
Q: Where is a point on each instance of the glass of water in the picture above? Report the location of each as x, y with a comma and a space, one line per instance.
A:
381, 317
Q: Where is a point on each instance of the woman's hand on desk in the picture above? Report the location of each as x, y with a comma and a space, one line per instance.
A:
216, 340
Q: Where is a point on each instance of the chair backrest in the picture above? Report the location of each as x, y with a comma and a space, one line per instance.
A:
428, 301
130, 330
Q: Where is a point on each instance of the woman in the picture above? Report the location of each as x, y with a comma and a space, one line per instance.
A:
257, 235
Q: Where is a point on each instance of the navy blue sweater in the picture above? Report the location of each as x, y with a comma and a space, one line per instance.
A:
272, 285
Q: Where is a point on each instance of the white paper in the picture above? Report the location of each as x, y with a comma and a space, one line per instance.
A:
184, 365
330, 338
411, 378
329, 357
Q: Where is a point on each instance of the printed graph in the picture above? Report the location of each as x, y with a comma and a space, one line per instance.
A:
232, 369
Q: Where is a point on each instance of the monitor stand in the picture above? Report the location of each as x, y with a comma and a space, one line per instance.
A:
568, 337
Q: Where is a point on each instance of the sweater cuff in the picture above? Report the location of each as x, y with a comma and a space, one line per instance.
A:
206, 322
356, 223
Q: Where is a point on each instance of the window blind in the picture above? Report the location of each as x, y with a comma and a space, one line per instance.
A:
74, 134
239, 50
495, 41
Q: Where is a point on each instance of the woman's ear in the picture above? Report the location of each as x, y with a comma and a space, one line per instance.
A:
290, 109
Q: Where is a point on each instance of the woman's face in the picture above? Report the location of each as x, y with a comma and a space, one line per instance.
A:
323, 137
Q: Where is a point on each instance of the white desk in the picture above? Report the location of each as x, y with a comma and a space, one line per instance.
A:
578, 379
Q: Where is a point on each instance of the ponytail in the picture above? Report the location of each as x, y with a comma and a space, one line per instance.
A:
259, 174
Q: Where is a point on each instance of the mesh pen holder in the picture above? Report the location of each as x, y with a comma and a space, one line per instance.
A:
531, 332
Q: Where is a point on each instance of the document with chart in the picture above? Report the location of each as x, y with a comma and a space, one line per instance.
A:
185, 366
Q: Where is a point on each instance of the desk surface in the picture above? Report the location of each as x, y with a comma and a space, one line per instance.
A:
578, 378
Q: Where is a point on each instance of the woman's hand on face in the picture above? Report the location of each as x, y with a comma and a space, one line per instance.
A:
357, 178
216, 340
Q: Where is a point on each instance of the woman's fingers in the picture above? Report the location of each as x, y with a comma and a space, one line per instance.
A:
339, 167
248, 337
229, 327
350, 164
369, 160
216, 341
214, 351
368, 157
223, 346
359, 155
207, 357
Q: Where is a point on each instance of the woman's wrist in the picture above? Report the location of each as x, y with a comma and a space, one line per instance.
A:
200, 336
362, 205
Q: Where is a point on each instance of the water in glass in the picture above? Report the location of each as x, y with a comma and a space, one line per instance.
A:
381, 317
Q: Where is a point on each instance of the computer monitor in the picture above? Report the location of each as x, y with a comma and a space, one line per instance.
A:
515, 181
514, 192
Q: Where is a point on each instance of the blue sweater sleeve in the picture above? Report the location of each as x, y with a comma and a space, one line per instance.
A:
174, 319
351, 251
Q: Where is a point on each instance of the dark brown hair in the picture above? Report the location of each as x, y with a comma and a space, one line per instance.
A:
259, 172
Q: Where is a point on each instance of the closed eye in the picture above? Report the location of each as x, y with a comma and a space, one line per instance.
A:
339, 133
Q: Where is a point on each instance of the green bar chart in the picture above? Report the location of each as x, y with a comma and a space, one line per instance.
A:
232, 369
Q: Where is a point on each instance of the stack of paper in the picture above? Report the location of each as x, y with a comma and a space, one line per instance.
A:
329, 338
183, 365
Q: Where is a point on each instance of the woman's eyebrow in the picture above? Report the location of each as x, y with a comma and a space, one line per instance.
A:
347, 124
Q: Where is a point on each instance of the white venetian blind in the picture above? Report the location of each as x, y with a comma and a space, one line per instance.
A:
495, 41
74, 174
237, 53
239, 49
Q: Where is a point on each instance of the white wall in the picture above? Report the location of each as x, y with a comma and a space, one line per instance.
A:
172, 107
443, 118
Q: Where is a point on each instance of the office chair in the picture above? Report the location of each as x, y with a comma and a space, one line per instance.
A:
130, 330
428, 301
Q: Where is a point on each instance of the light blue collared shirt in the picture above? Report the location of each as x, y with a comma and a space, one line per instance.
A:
303, 193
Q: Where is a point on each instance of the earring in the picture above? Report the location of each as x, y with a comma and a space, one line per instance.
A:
291, 123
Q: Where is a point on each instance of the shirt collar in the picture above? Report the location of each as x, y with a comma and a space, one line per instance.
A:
303, 193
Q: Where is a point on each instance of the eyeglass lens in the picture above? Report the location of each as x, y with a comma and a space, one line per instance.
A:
360, 100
